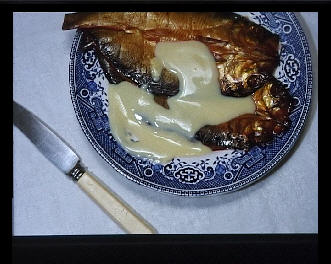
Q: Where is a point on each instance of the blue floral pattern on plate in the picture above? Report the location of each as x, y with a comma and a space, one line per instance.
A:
220, 171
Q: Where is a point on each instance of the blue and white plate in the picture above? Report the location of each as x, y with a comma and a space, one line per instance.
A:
220, 171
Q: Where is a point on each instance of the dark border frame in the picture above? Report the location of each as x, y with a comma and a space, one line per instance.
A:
236, 248
266, 248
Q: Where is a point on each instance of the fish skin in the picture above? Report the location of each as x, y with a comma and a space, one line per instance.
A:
227, 28
245, 53
242, 132
240, 47
124, 61
273, 106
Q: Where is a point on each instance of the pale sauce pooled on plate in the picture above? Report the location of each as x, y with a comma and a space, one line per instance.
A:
146, 129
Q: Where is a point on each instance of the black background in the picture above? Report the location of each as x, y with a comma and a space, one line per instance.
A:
218, 248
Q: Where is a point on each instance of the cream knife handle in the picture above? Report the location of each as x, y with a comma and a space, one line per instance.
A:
112, 205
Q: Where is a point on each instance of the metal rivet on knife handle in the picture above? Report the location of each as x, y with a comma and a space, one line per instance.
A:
77, 172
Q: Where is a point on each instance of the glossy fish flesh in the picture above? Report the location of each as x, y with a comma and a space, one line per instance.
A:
246, 56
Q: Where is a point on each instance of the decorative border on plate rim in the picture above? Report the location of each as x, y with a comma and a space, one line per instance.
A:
210, 191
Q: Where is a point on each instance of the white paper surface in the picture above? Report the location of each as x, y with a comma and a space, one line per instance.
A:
46, 202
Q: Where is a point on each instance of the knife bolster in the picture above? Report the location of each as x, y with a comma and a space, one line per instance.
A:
77, 172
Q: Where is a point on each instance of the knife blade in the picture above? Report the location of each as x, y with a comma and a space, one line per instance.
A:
58, 152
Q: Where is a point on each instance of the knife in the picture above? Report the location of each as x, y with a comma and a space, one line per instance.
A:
64, 158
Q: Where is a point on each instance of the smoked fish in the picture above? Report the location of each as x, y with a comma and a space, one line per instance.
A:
246, 56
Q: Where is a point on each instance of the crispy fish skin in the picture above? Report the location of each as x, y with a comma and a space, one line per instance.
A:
127, 60
273, 107
225, 27
239, 133
246, 56
245, 53
274, 101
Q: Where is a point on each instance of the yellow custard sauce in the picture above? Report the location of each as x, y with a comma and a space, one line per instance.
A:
146, 129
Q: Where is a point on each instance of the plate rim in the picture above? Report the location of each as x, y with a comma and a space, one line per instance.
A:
247, 181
